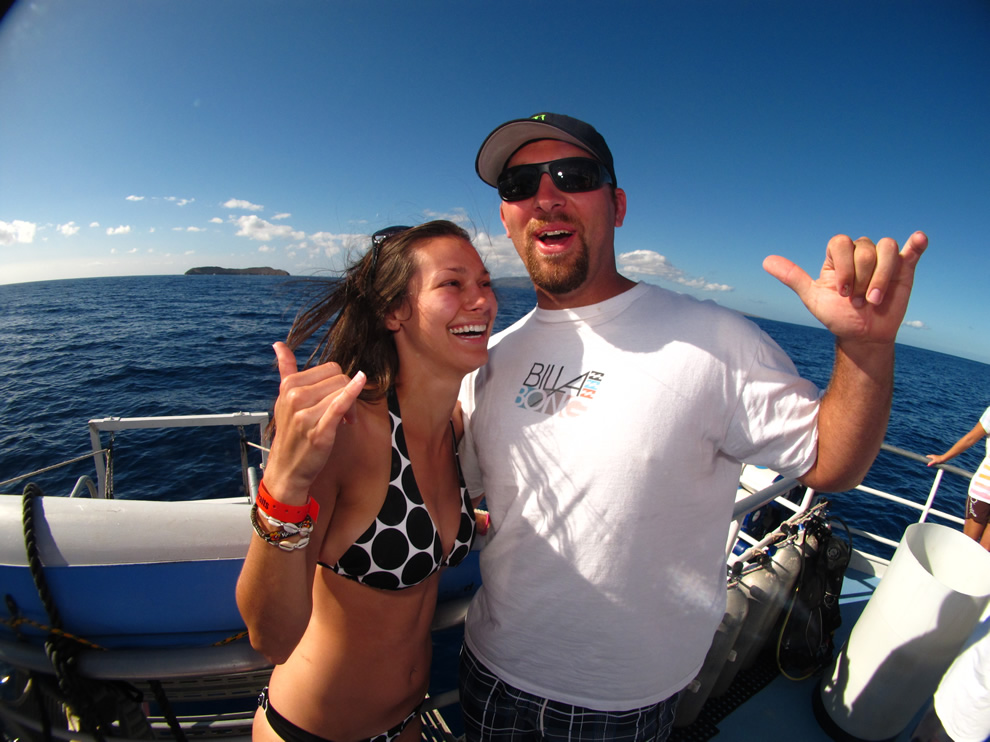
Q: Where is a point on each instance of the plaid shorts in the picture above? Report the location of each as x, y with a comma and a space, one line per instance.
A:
497, 712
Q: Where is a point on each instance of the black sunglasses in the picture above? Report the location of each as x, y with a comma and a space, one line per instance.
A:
379, 238
570, 175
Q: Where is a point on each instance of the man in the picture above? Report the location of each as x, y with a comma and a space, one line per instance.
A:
609, 427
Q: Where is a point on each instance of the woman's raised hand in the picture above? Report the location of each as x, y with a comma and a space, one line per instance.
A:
311, 405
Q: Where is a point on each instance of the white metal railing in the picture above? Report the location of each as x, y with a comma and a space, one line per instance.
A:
84, 483
777, 490
114, 424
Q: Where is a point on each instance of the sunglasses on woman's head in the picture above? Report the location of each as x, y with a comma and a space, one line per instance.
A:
379, 238
570, 175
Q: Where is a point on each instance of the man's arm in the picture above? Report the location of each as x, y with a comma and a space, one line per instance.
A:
861, 297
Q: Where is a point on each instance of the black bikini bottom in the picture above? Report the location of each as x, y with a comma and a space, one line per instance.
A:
291, 733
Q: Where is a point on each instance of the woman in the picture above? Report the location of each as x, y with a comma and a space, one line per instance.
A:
339, 588
978, 501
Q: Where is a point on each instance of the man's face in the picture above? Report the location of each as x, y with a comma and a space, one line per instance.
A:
566, 240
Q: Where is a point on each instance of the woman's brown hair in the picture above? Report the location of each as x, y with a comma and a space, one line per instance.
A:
356, 305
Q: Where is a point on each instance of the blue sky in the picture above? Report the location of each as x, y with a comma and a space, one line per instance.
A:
150, 137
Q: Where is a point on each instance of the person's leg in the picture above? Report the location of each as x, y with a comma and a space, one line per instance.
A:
985, 538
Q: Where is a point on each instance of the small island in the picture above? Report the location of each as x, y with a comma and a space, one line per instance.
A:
215, 271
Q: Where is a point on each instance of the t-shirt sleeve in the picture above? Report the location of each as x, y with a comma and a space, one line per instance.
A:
985, 420
466, 452
776, 422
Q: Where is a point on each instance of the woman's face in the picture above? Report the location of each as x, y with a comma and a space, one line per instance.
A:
450, 310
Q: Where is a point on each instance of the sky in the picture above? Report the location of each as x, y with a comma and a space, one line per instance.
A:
149, 137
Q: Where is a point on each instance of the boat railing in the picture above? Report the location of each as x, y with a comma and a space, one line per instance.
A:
868, 559
86, 483
234, 419
80, 483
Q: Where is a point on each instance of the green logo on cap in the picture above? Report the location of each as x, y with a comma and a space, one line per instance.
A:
539, 117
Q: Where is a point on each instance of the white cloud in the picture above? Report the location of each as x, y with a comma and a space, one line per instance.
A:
328, 241
457, 216
914, 324
94, 224
132, 251
236, 203
179, 201
118, 230
256, 228
650, 263
499, 254
195, 229
216, 220
266, 248
135, 198
17, 231
68, 229
283, 215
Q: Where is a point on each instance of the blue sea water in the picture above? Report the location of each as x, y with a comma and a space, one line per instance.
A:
937, 398
174, 345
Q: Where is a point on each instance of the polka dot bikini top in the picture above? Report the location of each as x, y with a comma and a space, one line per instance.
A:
402, 547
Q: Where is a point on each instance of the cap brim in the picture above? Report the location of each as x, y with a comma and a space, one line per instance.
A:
502, 143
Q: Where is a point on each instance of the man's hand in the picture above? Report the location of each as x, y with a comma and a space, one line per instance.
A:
863, 290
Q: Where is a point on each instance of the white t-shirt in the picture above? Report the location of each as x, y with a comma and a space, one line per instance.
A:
979, 485
608, 441
962, 700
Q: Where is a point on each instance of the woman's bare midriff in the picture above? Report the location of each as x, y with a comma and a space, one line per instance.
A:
355, 631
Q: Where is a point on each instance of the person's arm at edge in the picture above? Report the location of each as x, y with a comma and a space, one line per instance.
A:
967, 441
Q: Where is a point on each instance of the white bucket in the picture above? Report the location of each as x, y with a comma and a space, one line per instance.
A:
932, 595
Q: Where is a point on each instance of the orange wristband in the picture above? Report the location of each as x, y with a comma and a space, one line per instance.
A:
280, 511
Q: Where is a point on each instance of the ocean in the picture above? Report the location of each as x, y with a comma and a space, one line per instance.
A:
78, 349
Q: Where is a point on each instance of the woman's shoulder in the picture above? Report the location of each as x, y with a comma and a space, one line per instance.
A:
361, 457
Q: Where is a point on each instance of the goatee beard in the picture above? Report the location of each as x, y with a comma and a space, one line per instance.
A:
556, 276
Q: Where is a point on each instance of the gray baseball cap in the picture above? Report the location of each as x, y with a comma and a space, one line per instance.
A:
502, 143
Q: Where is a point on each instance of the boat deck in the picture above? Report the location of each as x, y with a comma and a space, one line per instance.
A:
761, 698
774, 702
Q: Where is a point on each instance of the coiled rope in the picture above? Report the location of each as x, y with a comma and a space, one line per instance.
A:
96, 704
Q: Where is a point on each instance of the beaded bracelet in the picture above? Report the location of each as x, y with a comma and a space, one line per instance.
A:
288, 513
303, 528
285, 531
